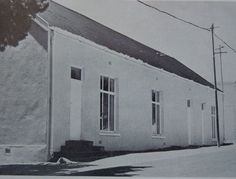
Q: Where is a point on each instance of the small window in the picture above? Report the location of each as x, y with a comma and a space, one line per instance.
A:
188, 103
156, 113
213, 121
203, 106
76, 73
213, 110
7, 150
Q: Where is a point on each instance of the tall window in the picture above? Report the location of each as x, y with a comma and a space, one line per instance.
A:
107, 104
203, 106
156, 113
213, 121
188, 103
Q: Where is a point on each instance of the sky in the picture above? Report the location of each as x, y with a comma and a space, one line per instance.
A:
190, 45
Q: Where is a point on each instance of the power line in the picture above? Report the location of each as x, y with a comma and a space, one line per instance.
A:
187, 22
173, 16
225, 42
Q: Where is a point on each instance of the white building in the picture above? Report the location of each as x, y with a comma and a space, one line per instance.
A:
229, 111
79, 80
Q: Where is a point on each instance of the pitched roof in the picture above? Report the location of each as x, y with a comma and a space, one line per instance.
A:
39, 34
64, 18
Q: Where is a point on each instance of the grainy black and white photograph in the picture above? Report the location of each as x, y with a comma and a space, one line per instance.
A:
117, 88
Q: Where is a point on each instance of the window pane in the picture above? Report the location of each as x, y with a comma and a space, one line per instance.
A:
75, 73
158, 119
188, 103
101, 82
105, 83
153, 118
112, 85
213, 126
202, 106
101, 110
100, 123
153, 114
111, 120
105, 111
153, 96
213, 110
157, 96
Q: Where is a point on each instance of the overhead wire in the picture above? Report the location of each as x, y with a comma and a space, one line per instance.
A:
188, 22
224, 42
173, 16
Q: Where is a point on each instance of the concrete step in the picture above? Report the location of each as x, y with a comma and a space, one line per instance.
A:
82, 156
79, 143
81, 148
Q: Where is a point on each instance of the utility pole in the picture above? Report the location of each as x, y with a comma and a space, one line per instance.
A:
215, 87
222, 86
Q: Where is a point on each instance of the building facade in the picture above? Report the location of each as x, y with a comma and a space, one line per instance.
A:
229, 99
85, 81
24, 107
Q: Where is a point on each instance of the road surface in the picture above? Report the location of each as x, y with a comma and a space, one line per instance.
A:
201, 162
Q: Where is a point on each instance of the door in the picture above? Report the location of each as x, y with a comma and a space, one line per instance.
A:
203, 122
189, 119
75, 104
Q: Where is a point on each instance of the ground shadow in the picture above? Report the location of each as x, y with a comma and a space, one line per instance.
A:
123, 171
39, 169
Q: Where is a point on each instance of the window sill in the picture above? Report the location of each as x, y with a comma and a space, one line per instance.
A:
158, 137
112, 134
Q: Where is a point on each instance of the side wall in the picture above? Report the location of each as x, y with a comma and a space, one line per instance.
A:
135, 81
230, 111
24, 100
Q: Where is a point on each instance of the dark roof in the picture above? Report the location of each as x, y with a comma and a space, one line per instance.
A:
39, 34
64, 18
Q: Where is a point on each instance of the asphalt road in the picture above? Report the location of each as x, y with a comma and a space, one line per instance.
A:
220, 163
201, 162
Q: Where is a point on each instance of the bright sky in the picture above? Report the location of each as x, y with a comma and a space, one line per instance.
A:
190, 45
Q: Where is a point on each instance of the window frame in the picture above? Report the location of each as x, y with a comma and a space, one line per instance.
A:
188, 103
81, 73
213, 122
109, 93
157, 103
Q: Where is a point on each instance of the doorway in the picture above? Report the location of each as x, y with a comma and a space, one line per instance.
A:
75, 103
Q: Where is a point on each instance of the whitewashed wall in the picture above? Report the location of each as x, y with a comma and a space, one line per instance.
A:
23, 102
135, 82
230, 110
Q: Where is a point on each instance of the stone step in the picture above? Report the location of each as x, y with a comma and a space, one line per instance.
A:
83, 154
81, 148
79, 143
87, 159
